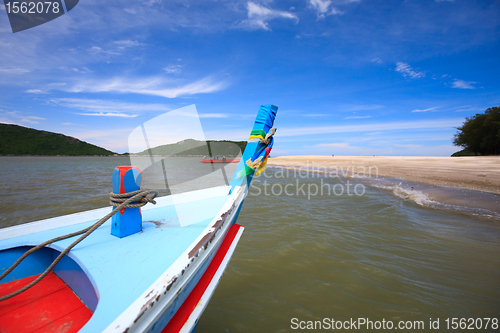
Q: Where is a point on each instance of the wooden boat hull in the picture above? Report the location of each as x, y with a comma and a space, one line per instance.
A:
157, 280
187, 316
153, 308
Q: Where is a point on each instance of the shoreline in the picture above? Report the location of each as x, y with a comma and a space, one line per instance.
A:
477, 173
469, 185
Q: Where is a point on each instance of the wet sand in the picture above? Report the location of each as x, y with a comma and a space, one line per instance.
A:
478, 173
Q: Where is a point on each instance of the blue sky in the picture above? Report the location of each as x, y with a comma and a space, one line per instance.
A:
350, 77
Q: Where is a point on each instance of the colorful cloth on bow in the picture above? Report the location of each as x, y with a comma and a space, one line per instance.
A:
257, 134
258, 161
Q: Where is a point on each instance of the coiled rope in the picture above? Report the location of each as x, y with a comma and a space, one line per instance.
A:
142, 197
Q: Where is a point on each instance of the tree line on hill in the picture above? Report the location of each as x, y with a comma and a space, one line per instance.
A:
191, 147
479, 134
19, 140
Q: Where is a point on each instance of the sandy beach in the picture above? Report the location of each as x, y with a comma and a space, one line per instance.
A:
479, 173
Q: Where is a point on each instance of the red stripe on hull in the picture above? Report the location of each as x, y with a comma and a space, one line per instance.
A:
182, 315
49, 306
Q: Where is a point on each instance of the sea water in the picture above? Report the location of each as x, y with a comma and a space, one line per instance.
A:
311, 255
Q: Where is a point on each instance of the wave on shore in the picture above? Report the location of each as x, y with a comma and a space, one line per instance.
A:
420, 197
481, 204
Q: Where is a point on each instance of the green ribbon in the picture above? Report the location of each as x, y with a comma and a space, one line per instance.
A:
257, 132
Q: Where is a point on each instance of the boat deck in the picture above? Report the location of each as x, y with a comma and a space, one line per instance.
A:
49, 306
135, 262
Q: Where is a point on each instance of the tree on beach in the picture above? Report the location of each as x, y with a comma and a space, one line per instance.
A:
480, 134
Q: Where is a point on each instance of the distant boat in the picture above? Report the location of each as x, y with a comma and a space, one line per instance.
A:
220, 161
154, 272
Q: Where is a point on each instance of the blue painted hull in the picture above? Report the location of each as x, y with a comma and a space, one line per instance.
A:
117, 278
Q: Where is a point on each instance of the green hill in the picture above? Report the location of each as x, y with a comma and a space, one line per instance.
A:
200, 148
19, 140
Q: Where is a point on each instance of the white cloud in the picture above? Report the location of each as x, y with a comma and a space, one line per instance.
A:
2, 7
469, 108
35, 91
338, 145
258, 16
357, 117
83, 70
386, 149
203, 115
108, 108
109, 114
213, 115
360, 107
381, 128
236, 134
157, 86
406, 70
322, 8
69, 124
377, 61
15, 117
127, 43
31, 119
426, 110
173, 69
151, 2
100, 50
14, 70
442, 123
461, 84
114, 48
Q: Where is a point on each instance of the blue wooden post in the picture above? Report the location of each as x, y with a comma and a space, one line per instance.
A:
127, 221
264, 121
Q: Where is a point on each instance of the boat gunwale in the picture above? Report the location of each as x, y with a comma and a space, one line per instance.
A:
132, 319
95, 214
234, 198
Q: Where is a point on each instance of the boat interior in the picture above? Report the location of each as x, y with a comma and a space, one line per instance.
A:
80, 291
